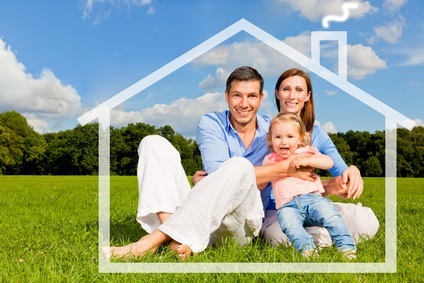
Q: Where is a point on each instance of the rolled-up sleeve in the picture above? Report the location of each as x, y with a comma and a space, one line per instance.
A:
211, 139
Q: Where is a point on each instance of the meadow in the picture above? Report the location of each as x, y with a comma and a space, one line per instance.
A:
49, 233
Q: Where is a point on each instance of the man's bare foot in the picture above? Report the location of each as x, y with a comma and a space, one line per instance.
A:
182, 250
147, 244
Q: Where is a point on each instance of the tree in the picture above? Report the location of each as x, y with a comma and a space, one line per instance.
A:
11, 149
32, 147
124, 147
372, 167
73, 152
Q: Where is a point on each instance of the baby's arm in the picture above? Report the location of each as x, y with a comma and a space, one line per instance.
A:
320, 161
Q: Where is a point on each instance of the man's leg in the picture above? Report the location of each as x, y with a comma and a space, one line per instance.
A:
228, 193
163, 185
147, 244
162, 182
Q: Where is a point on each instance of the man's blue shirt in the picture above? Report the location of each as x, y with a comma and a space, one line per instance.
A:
219, 141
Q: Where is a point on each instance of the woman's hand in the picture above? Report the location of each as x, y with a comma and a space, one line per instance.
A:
347, 185
352, 182
199, 175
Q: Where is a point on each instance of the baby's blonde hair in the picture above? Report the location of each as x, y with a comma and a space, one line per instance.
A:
289, 117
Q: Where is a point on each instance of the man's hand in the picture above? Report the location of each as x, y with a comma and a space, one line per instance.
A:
199, 175
299, 168
299, 161
303, 173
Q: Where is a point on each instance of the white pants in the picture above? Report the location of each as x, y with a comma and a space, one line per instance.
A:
360, 221
224, 204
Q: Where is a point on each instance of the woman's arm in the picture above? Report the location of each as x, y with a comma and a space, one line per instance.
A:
348, 182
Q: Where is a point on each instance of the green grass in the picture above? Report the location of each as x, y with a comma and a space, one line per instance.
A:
49, 233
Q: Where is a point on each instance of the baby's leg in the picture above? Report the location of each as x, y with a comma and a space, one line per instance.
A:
291, 221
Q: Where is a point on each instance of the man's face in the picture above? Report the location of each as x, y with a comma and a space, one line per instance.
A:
243, 101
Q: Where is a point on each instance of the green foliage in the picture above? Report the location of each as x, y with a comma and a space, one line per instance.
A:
21, 148
367, 151
75, 151
57, 240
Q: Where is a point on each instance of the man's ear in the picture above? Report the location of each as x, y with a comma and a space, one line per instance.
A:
226, 96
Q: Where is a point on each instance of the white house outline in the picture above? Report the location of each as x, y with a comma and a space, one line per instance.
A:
392, 117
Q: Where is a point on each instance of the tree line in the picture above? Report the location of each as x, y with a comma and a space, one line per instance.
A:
75, 152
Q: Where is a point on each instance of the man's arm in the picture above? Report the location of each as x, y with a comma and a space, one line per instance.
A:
271, 172
320, 161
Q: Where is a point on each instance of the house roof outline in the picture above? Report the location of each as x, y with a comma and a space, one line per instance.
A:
393, 117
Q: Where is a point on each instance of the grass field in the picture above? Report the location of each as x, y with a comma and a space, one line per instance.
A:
49, 233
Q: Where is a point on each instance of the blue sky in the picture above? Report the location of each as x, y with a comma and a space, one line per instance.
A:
59, 59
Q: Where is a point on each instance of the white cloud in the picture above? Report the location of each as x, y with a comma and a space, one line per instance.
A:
40, 126
390, 32
182, 115
362, 61
316, 10
253, 53
415, 57
419, 123
329, 128
393, 5
101, 10
212, 83
41, 97
301, 42
330, 92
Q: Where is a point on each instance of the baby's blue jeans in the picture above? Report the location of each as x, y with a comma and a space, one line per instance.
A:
313, 210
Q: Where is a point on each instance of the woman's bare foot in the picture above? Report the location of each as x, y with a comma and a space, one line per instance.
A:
147, 244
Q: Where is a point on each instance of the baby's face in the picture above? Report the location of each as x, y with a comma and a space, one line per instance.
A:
285, 138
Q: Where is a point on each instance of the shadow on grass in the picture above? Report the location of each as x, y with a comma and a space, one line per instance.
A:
125, 231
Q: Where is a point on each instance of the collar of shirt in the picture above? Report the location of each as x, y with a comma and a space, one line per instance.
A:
258, 149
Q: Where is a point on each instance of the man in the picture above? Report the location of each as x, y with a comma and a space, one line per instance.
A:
225, 201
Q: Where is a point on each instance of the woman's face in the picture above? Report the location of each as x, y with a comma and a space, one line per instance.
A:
293, 93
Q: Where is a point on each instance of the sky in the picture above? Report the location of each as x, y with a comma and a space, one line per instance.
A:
60, 59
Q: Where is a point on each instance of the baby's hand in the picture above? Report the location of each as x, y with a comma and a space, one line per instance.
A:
299, 161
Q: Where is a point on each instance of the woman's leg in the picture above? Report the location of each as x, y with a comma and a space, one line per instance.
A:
360, 221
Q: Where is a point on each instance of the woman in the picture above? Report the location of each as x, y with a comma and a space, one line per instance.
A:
294, 94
